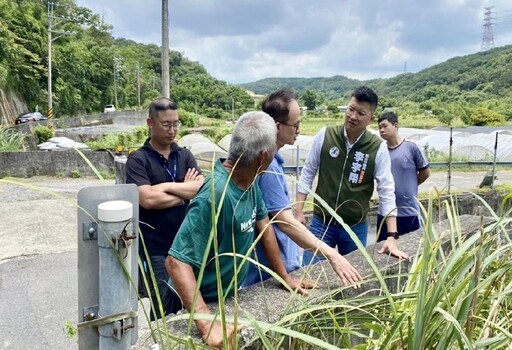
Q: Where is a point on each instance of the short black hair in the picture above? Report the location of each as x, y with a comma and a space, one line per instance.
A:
365, 94
161, 104
277, 105
389, 116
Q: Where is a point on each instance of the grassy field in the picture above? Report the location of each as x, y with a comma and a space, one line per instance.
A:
311, 125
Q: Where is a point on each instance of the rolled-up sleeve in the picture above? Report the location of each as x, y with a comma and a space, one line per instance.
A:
312, 163
385, 182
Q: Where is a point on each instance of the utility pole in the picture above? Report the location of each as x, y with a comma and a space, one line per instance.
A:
53, 21
115, 82
117, 67
138, 84
165, 48
233, 108
488, 35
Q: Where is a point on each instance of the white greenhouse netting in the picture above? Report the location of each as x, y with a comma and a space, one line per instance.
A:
188, 140
224, 142
475, 147
204, 150
471, 144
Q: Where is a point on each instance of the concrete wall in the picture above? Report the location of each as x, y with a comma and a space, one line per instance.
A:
268, 302
53, 163
132, 118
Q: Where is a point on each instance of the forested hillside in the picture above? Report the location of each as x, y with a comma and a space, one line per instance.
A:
480, 83
91, 68
86, 59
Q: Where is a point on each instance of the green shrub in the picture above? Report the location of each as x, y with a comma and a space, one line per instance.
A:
76, 174
445, 118
315, 114
125, 140
216, 113
107, 174
187, 118
43, 133
216, 134
483, 116
141, 133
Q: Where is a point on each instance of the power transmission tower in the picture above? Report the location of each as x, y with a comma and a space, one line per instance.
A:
405, 67
488, 35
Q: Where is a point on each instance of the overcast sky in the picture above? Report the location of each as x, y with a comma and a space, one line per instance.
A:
245, 40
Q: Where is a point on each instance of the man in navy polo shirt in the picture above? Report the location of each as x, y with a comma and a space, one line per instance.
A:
167, 177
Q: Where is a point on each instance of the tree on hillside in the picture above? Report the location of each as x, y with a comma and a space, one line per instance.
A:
310, 99
22, 42
483, 116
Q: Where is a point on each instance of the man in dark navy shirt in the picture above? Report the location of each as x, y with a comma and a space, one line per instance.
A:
167, 177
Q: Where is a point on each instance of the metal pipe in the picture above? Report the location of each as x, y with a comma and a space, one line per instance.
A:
450, 162
494, 160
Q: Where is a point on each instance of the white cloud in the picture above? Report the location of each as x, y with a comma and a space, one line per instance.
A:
246, 40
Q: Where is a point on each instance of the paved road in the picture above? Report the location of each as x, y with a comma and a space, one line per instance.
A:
38, 262
38, 268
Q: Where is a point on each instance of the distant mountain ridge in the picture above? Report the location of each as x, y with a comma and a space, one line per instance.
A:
331, 87
474, 78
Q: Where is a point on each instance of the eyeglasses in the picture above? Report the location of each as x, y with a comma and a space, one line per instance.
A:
296, 125
166, 126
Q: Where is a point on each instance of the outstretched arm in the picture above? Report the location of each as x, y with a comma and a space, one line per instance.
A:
390, 245
305, 239
271, 250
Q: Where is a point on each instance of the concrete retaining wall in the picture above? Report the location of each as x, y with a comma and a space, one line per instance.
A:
53, 163
268, 302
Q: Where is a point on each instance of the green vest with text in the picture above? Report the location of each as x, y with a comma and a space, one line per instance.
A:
345, 180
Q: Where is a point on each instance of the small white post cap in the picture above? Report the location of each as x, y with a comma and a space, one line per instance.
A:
115, 211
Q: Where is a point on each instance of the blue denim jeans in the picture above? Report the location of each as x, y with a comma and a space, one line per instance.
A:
334, 235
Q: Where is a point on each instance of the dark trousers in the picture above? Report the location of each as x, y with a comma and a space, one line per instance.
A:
404, 224
170, 302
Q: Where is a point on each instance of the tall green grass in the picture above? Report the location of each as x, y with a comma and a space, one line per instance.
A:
456, 295
10, 139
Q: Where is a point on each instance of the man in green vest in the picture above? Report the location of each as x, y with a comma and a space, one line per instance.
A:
348, 158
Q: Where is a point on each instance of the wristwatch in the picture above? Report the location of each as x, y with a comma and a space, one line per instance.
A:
395, 235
